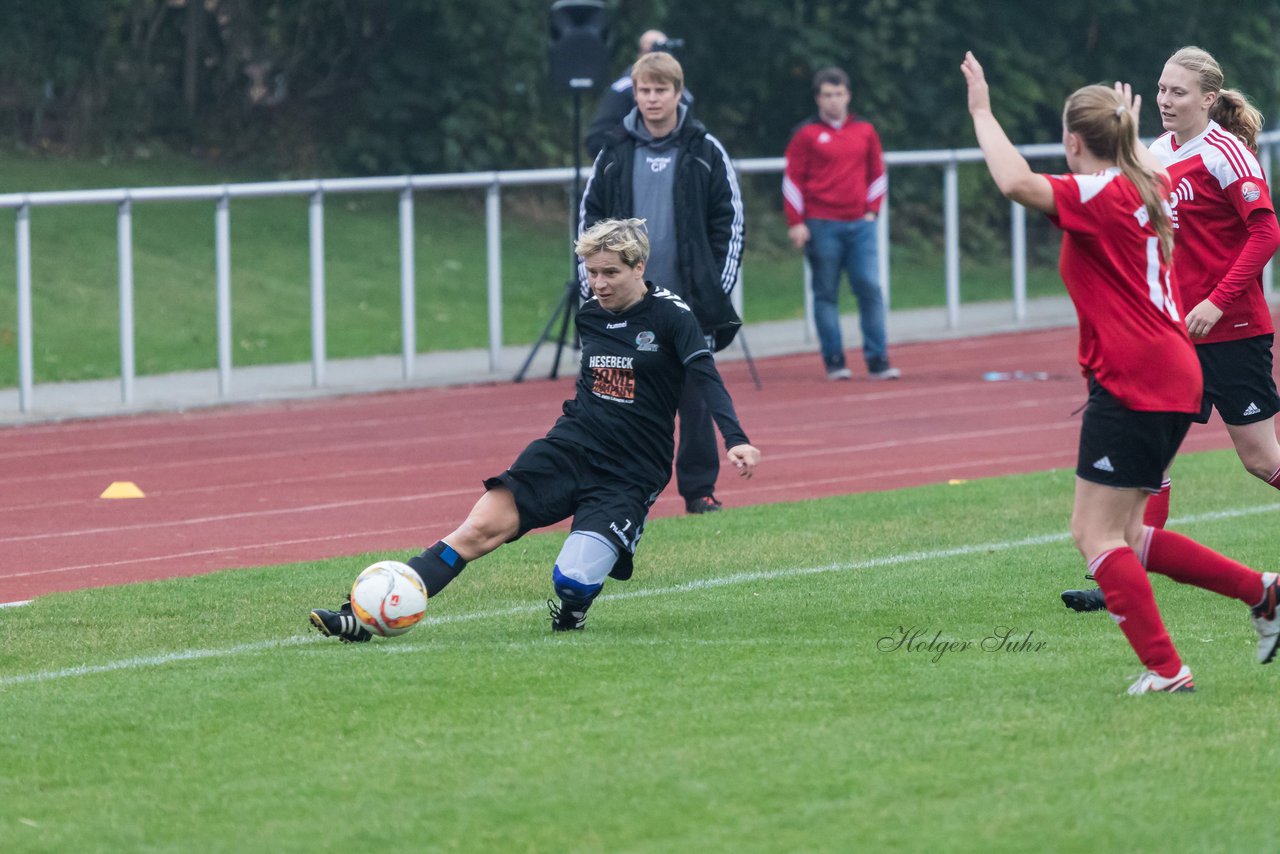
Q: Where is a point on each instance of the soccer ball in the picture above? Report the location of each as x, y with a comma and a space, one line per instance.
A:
388, 598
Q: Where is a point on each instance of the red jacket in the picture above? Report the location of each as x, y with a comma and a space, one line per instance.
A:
833, 172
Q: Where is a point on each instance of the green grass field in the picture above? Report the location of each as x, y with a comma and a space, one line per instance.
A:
736, 696
74, 270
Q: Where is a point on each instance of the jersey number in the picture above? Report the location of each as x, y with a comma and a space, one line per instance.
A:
1161, 293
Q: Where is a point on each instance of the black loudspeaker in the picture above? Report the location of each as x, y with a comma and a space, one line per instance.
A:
578, 49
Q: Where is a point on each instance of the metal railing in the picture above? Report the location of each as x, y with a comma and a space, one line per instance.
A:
406, 186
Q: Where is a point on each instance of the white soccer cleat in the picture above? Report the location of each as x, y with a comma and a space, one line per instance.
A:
1151, 681
1266, 619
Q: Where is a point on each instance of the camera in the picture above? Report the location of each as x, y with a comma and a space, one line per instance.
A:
667, 46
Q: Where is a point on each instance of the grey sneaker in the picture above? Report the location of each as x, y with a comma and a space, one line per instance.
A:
340, 624
884, 374
836, 374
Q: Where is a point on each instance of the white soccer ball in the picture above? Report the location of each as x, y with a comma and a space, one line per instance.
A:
388, 598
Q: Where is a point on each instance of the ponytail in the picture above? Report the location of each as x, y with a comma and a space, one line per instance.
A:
1100, 117
1154, 195
1238, 117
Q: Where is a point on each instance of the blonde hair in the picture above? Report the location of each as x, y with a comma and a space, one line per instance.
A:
1099, 116
660, 68
628, 237
1231, 109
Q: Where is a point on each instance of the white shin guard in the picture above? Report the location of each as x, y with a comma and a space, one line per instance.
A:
586, 558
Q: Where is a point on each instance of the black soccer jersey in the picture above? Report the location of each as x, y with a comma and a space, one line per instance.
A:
633, 371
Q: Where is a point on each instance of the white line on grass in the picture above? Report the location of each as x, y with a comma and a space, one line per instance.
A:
688, 587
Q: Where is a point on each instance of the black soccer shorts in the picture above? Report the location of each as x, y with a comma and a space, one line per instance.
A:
1125, 448
1238, 380
553, 480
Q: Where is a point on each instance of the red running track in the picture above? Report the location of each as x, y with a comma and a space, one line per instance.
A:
265, 484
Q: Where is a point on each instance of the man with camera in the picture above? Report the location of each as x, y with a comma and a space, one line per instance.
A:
662, 166
619, 98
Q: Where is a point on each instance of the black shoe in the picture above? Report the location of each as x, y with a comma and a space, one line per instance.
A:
563, 619
704, 504
1084, 600
340, 624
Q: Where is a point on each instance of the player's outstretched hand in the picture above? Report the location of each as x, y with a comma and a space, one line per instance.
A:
979, 92
1132, 100
745, 458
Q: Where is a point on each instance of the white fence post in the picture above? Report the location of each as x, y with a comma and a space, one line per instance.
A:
124, 240
222, 271
882, 246
951, 207
1018, 259
408, 312
22, 236
810, 328
316, 223
493, 256
1268, 272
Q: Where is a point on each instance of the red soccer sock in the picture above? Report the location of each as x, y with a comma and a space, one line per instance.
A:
1274, 480
1132, 605
1187, 562
1157, 512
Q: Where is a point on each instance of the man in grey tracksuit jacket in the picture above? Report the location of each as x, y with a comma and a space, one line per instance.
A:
663, 166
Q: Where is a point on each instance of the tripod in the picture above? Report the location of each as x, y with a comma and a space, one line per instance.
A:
568, 306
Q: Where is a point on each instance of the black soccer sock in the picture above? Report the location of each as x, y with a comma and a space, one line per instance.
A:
437, 566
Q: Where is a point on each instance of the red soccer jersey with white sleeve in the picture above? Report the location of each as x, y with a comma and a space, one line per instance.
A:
833, 172
1217, 185
1132, 337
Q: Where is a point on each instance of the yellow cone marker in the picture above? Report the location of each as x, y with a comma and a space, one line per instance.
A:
122, 489
956, 482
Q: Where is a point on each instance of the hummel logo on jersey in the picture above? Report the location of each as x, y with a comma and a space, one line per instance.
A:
1251, 409
622, 324
1104, 464
658, 164
1184, 192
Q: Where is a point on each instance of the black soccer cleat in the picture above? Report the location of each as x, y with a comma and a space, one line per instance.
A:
564, 619
1084, 600
340, 624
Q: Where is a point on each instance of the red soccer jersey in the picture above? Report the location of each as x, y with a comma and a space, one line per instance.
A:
1132, 338
833, 172
1217, 184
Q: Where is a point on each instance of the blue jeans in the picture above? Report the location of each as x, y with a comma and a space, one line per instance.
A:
835, 246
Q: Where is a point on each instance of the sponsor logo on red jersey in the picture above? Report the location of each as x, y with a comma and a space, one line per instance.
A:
1250, 191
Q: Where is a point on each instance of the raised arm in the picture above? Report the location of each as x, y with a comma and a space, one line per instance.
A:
1133, 102
1009, 169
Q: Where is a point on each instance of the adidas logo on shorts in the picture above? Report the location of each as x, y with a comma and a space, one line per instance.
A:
1104, 464
1251, 409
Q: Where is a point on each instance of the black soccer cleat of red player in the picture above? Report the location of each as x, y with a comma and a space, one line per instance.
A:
340, 624
1084, 600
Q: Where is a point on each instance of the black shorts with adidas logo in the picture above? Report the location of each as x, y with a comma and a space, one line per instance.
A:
1238, 380
1125, 448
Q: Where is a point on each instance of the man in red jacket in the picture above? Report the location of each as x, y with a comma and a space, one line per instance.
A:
832, 189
